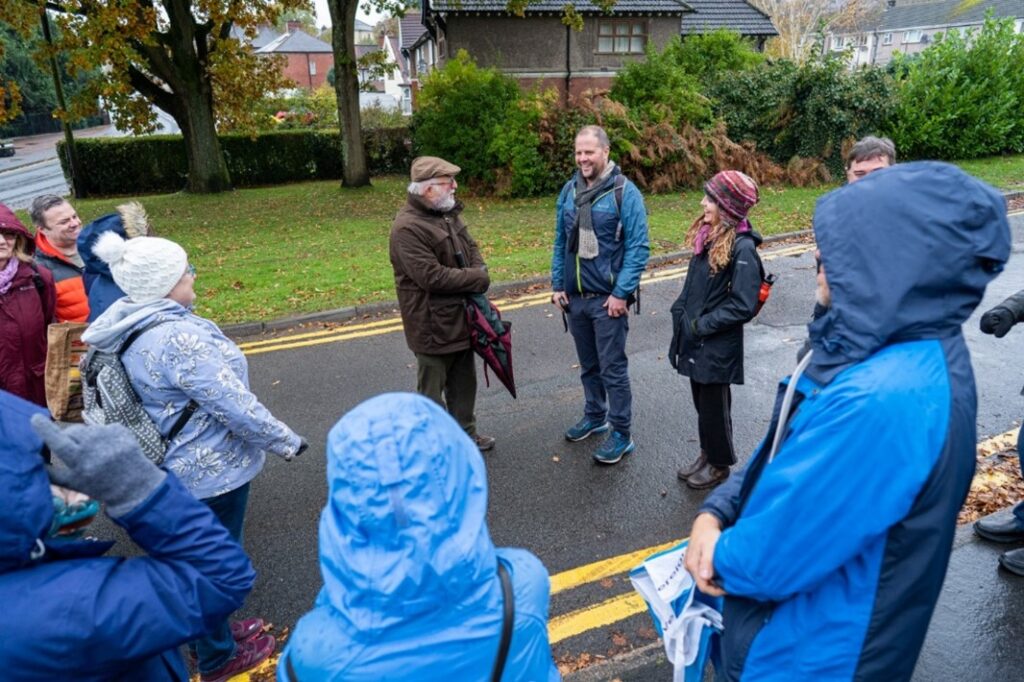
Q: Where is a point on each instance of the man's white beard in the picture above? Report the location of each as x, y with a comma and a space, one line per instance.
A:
446, 203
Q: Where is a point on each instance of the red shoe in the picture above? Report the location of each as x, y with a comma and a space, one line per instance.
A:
242, 630
248, 655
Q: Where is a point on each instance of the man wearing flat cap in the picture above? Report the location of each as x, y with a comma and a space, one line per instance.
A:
437, 264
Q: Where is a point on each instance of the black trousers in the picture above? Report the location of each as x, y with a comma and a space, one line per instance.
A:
714, 422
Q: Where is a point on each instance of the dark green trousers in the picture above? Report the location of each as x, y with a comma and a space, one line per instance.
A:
450, 381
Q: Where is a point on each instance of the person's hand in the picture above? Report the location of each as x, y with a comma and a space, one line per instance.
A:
616, 306
560, 299
303, 446
104, 462
998, 321
700, 553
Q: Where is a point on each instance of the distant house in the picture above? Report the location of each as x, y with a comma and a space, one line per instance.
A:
397, 83
909, 26
539, 48
308, 59
418, 48
364, 33
733, 15
264, 35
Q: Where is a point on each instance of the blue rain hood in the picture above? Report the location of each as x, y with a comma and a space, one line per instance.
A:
907, 253
26, 506
404, 530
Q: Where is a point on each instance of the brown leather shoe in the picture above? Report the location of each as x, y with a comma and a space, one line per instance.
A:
708, 477
485, 443
687, 471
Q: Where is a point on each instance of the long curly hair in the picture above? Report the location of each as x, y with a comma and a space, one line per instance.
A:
719, 242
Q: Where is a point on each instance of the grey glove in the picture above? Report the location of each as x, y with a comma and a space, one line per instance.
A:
104, 462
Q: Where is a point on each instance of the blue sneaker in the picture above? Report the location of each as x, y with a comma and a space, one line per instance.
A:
615, 447
585, 428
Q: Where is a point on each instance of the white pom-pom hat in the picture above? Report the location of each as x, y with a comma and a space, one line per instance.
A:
146, 268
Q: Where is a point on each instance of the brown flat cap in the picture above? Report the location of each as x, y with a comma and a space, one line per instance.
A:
427, 167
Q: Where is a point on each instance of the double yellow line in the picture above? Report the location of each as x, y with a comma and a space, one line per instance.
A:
391, 325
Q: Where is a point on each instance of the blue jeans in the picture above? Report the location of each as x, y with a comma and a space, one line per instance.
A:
217, 649
604, 369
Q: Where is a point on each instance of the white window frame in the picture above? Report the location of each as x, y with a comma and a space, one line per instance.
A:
912, 36
887, 38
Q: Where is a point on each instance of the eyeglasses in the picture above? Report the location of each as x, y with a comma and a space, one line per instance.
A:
191, 269
444, 183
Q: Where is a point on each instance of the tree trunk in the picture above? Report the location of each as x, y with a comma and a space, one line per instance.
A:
355, 172
207, 169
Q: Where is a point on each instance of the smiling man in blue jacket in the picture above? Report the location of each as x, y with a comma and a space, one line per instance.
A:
601, 249
832, 552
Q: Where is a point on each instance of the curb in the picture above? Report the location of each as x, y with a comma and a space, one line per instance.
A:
647, 656
337, 315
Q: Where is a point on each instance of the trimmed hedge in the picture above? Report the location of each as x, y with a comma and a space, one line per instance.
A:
157, 163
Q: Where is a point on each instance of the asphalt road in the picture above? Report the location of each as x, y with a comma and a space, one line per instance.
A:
19, 186
546, 494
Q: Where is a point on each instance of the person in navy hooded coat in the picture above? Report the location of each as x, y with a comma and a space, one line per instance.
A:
411, 588
832, 553
73, 614
128, 221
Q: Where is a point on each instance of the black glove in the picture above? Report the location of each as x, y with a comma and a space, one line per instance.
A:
998, 321
104, 462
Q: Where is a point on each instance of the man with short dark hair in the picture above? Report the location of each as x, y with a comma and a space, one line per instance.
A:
601, 249
57, 229
868, 155
437, 264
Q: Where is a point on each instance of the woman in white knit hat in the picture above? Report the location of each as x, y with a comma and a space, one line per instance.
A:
183, 361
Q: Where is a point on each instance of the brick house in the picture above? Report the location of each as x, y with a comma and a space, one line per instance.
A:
734, 15
538, 48
308, 58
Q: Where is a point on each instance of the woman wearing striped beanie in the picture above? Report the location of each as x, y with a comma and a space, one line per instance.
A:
719, 296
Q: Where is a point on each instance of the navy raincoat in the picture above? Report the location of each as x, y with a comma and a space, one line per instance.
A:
72, 614
411, 589
833, 554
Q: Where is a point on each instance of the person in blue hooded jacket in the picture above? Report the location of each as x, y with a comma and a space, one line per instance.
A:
411, 587
73, 614
128, 221
832, 546
601, 249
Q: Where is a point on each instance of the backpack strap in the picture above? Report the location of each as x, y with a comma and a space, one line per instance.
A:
190, 408
508, 618
40, 285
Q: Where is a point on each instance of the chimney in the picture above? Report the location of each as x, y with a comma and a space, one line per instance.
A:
294, 26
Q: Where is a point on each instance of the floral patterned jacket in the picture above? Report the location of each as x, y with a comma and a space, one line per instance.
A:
187, 357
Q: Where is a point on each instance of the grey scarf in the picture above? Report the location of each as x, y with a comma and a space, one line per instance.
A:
587, 246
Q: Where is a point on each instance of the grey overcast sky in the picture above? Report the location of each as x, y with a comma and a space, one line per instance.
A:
323, 15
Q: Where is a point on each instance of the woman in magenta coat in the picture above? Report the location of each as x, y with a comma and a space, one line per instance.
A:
27, 301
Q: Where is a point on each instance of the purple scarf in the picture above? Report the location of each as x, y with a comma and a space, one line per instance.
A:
705, 229
7, 275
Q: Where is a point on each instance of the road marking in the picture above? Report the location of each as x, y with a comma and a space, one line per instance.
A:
599, 615
574, 577
380, 327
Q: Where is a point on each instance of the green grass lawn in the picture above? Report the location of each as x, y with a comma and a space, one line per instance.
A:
277, 251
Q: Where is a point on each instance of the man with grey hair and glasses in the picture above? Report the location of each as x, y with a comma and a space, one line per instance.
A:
437, 264
57, 228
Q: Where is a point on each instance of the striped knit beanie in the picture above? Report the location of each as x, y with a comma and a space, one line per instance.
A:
734, 193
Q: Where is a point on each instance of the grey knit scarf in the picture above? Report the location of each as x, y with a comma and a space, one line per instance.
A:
587, 246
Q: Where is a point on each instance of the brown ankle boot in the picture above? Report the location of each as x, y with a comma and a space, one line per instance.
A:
708, 477
687, 471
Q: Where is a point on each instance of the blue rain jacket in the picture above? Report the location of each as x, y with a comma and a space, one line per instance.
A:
622, 253
411, 589
72, 614
833, 554
99, 283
